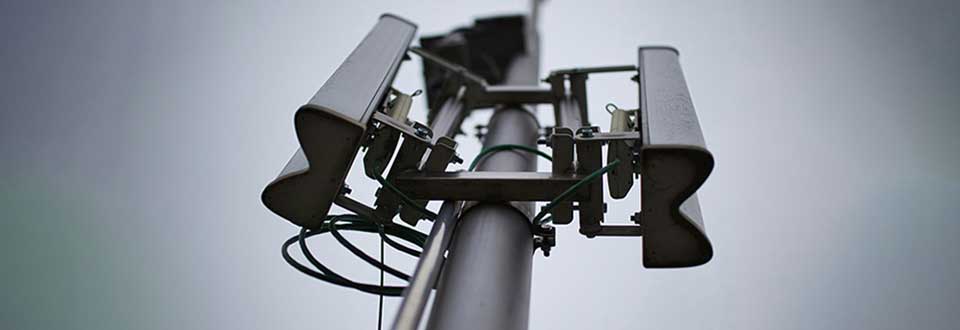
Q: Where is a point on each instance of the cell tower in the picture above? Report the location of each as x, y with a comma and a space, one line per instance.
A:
488, 220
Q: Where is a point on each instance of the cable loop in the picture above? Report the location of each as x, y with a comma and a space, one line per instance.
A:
351, 222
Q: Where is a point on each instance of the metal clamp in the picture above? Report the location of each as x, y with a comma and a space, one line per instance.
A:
545, 238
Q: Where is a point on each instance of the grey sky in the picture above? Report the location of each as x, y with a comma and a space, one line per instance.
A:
136, 138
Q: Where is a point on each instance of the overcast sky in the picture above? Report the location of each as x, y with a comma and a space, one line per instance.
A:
136, 138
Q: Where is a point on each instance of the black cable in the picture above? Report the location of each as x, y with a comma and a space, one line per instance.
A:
398, 246
332, 279
369, 288
349, 223
358, 223
359, 253
380, 312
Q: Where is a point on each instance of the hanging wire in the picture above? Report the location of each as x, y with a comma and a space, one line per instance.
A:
503, 147
348, 222
353, 222
380, 308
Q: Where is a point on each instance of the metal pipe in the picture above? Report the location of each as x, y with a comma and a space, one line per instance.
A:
447, 123
569, 114
485, 282
450, 116
486, 279
428, 267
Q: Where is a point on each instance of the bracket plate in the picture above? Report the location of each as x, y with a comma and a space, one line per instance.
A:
487, 186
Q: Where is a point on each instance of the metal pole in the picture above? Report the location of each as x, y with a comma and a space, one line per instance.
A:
486, 280
421, 284
428, 267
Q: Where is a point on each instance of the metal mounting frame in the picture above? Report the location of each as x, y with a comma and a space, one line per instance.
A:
487, 186
479, 94
417, 141
577, 93
441, 154
532, 186
561, 142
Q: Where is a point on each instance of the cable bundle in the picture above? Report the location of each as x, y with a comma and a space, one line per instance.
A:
352, 222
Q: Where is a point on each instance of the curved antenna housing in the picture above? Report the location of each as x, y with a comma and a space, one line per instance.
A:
333, 124
674, 163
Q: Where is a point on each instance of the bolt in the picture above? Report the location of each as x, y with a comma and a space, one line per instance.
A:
587, 131
543, 245
421, 132
544, 230
480, 131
